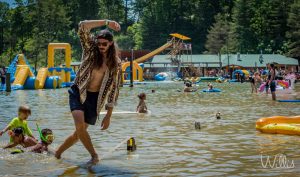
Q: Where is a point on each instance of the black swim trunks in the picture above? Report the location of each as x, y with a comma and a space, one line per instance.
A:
89, 107
273, 86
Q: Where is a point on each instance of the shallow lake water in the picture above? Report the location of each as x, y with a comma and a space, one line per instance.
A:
167, 142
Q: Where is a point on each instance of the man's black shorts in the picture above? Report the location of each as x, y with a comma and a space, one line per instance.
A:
89, 107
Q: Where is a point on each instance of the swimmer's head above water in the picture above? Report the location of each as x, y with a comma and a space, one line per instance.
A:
46, 135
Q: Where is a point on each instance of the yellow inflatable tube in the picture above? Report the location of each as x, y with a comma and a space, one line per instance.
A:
279, 124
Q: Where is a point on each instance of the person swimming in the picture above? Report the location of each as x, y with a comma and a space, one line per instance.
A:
188, 87
210, 86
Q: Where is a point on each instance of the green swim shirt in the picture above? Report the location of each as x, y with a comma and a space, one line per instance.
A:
16, 122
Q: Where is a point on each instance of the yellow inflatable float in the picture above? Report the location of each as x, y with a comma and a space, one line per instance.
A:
279, 124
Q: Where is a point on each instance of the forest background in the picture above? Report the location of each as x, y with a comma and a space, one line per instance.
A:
215, 26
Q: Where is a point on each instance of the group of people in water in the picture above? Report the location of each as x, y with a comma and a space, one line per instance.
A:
269, 82
256, 81
97, 82
20, 133
189, 87
96, 85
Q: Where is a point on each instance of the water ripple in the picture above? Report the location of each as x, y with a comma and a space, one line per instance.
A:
167, 142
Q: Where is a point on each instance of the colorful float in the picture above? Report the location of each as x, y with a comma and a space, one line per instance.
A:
161, 76
282, 87
221, 80
193, 80
211, 90
279, 125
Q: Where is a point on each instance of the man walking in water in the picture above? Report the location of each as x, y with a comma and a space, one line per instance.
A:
97, 81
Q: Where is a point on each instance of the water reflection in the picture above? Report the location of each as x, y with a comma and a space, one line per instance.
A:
167, 142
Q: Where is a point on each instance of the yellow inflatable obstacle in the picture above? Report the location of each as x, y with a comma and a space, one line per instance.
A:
279, 124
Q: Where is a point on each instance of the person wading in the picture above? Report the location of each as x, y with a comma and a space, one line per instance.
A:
97, 81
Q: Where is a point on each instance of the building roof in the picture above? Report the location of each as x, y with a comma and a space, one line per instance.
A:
246, 60
252, 60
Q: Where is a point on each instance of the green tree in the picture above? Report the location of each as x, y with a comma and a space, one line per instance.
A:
51, 23
4, 7
293, 34
160, 18
134, 31
261, 25
243, 13
217, 35
21, 24
111, 9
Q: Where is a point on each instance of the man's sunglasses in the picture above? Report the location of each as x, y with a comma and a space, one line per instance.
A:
104, 44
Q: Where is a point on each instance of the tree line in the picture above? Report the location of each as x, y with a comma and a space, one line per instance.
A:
215, 26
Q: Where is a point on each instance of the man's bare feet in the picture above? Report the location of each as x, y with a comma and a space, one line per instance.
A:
57, 155
94, 160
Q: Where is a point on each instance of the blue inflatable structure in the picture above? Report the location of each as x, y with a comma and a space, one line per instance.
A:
160, 76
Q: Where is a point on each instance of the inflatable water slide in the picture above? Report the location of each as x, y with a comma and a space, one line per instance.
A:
137, 64
23, 77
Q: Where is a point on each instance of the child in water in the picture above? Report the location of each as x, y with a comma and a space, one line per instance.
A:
210, 86
23, 113
47, 138
142, 108
18, 137
255, 81
188, 87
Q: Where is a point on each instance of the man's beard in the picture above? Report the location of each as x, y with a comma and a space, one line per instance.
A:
102, 50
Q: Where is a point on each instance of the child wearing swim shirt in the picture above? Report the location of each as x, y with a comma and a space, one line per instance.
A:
47, 138
23, 113
142, 108
18, 138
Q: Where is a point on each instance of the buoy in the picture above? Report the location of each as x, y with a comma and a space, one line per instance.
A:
131, 146
197, 125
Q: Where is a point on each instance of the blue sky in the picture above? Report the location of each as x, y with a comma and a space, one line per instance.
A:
8, 1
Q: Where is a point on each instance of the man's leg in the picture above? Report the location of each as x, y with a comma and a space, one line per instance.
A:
83, 135
273, 96
267, 90
72, 139
273, 89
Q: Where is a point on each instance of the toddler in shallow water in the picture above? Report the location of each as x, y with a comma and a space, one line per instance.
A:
47, 138
19, 138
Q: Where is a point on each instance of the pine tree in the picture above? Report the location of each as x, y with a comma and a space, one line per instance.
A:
243, 13
293, 34
217, 35
3, 22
